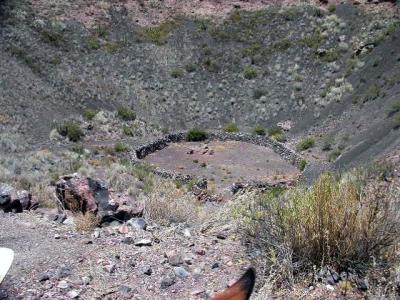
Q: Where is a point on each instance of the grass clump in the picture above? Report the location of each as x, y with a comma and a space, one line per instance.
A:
196, 135
258, 93
344, 222
231, 127
259, 130
176, 73
190, 68
282, 44
314, 41
396, 121
93, 43
394, 109
71, 130
128, 130
249, 72
159, 34
89, 114
277, 134
52, 36
86, 222
332, 8
302, 165
121, 147
306, 143
329, 56
126, 114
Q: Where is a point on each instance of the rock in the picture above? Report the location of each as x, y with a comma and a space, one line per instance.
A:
137, 223
174, 259
128, 240
78, 193
215, 265
96, 233
86, 279
63, 272
143, 242
167, 281
59, 218
200, 251
123, 229
362, 284
73, 294
5, 194
147, 271
63, 284
44, 277
110, 268
24, 198
329, 287
332, 278
124, 289
181, 272
57, 236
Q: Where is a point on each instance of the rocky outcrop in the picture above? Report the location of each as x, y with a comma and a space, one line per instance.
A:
12, 200
84, 194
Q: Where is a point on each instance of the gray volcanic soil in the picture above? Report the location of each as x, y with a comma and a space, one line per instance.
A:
254, 68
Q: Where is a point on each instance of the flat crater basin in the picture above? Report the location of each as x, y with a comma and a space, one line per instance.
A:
224, 162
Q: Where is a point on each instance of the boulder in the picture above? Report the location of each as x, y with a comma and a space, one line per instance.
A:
83, 194
12, 200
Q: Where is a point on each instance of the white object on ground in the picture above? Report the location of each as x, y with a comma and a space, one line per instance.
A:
6, 258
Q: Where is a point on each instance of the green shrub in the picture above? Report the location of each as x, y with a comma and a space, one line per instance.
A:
126, 114
190, 68
258, 93
372, 93
259, 130
306, 143
302, 164
249, 72
329, 56
159, 34
231, 127
93, 43
89, 114
121, 147
196, 135
343, 222
71, 130
314, 41
394, 109
396, 120
282, 45
128, 130
274, 131
176, 73
52, 36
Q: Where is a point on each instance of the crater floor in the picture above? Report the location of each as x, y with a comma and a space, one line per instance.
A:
224, 163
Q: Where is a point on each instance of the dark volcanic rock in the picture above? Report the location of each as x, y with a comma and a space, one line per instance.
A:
84, 194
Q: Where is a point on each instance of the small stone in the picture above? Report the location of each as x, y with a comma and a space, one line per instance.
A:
63, 272
110, 268
138, 223
200, 251
124, 289
57, 236
167, 281
329, 287
181, 272
174, 259
143, 242
96, 234
44, 277
186, 232
88, 242
147, 271
215, 265
128, 240
86, 280
63, 284
123, 229
73, 294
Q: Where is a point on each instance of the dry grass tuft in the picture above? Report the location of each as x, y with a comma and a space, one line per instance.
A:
86, 222
347, 222
168, 204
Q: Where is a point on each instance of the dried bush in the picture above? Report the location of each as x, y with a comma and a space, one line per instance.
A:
86, 222
168, 204
347, 222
